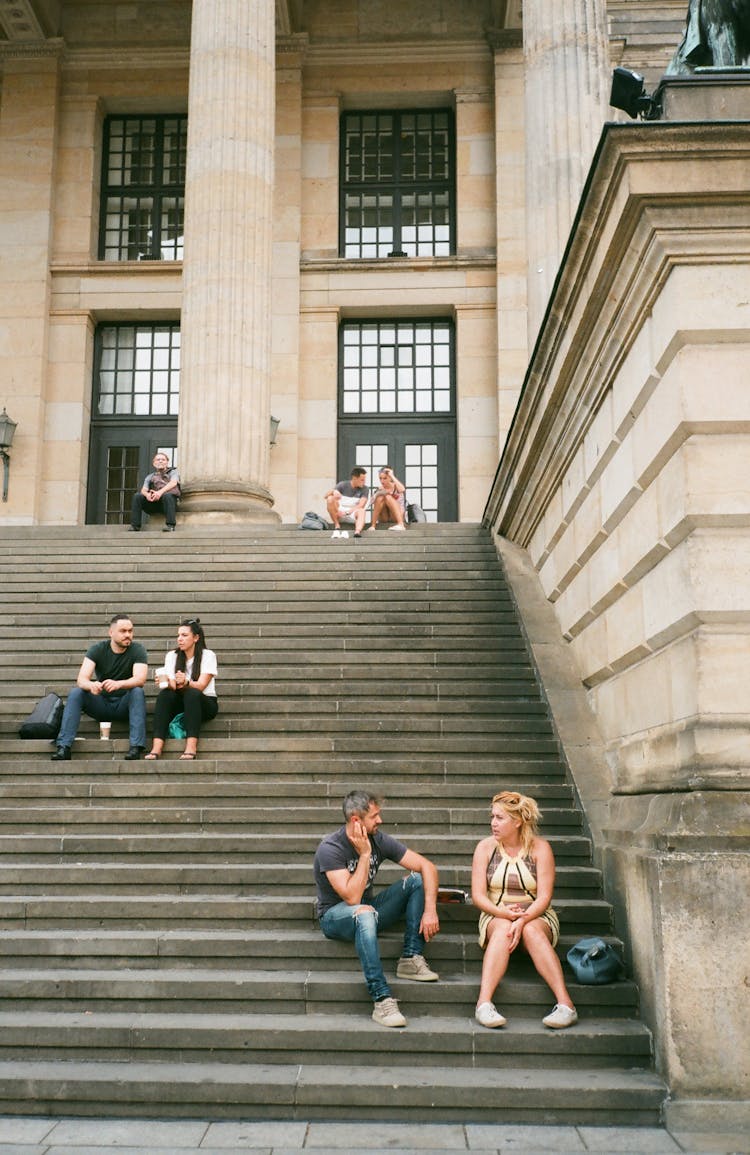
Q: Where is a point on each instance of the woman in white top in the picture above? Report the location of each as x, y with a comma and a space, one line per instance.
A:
191, 671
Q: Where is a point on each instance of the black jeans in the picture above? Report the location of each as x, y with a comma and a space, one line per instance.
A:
197, 708
166, 505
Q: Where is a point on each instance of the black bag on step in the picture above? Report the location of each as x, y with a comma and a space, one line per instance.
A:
44, 720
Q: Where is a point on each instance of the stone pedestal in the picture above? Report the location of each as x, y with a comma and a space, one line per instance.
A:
223, 436
567, 84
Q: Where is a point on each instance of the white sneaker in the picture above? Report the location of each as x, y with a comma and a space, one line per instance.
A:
344, 533
560, 1017
487, 1016
386, 1013
399, 528
336, 533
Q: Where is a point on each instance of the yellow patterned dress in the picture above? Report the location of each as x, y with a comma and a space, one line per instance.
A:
513, 881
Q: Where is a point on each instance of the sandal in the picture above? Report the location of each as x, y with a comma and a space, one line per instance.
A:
188, 756
151, 756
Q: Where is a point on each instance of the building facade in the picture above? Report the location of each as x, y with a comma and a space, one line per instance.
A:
217, 214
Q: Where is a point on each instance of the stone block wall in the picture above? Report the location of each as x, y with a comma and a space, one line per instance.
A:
624, 480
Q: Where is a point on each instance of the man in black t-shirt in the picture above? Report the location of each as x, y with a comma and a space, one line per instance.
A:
109, 686
346, 863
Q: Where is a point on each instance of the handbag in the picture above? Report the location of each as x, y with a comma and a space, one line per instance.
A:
594, 961
415, 513
44, 720
177, 727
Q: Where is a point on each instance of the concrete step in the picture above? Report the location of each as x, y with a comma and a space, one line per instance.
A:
288, 878
587, 1095
263, 1036
581, 916
229, 845
158, 916
132, 818
455, 951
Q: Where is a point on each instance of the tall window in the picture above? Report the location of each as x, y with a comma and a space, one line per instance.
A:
138, 370
143, 188
400, 368
397, 184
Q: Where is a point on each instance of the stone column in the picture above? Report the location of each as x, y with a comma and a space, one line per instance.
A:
223, 433
29, 113
567, 87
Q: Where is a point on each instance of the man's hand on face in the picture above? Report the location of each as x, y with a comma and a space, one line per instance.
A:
359, 837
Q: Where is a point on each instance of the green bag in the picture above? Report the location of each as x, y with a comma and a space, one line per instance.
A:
177, 727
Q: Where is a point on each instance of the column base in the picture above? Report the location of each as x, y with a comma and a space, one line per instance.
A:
226, 503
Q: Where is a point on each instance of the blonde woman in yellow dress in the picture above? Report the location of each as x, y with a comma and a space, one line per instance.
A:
512, 879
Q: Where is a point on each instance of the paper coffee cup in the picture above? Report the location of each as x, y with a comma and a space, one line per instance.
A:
104, 729
162, 680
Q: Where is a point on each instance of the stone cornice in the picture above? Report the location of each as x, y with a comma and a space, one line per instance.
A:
504, 39
295, 42
32, 49
133, 58
410, 264
382, 53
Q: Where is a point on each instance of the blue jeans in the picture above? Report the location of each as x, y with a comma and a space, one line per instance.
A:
402, 899
105, 708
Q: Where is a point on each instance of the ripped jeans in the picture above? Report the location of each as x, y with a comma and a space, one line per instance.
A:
404, 898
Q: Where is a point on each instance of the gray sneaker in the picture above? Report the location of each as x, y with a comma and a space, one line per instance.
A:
416, 968
386, 1014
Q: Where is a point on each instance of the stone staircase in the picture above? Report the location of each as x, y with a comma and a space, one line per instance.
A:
159, 952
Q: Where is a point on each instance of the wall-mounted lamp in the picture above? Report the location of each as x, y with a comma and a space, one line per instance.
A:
275, 423
629, 94
7, 429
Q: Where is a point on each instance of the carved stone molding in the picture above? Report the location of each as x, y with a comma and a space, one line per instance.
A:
19, 22
32, 50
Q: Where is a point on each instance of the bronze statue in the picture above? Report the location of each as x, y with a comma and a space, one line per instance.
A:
717, 34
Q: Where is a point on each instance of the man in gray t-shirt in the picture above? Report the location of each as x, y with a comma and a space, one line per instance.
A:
347, 502
346, 863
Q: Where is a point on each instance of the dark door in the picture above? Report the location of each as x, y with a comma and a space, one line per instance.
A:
421, 454
120, 458
135, 401
397, 407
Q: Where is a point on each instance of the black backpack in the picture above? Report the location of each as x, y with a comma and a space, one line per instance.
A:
44, 720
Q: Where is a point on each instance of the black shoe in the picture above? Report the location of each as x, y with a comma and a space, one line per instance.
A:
134, 528
134, 753
61, 754
168, 529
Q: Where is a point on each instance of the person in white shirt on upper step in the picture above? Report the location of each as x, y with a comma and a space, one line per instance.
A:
190, 674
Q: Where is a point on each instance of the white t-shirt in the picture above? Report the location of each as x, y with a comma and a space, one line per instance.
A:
208, 666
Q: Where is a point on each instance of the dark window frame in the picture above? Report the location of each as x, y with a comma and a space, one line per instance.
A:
394, 183
396, 414
157, 190
172, 411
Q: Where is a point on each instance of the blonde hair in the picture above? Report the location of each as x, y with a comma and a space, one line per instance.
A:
519, 806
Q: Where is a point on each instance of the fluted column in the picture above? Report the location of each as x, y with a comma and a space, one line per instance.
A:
223, 435
567, 87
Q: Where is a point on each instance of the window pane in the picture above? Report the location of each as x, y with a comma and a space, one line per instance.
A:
145, 159
396, 183
145, 378
409, 386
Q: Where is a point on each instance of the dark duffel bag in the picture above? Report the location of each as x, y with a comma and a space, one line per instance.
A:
44, 720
